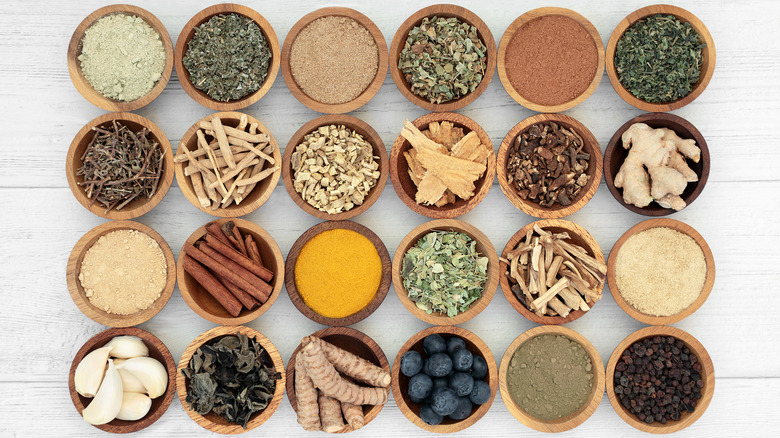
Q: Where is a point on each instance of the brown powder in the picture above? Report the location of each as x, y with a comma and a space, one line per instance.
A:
551, 60
334, 59
124, 272
660, 271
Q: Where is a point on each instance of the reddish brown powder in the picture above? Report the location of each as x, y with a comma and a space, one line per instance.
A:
551, 60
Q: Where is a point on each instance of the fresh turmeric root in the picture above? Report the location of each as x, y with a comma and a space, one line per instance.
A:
353, 414
352, 365
306, 394
330, 414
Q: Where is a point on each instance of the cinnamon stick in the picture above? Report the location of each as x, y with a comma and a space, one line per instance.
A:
245, 297
251, 248
220, 269
262, 286
216, 230
239, 258
212, 286
232, 233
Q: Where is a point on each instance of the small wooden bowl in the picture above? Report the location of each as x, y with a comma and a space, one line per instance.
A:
707, 65
372, 88
595, 167
446, 11
157, 350
572, 420
214, 422
292, 259
525, 19
684, 228
401, 383
578, 236
209, 308
77, 291
77, 75
355, 124
259, 194
138, 206
406, 189
484, 247
189, 31
615, 154
354, 341
707, 373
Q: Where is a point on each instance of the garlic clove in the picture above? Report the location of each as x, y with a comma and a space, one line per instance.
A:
150, 372
89, 372
108, 400
126, 347
134, 406
130, 382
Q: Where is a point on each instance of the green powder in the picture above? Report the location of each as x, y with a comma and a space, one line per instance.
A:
122, 57
550, 376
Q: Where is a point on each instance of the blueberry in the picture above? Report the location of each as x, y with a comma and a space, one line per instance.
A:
444, 401
429, 416
420, 387
479, 368
411, 363
481, 392
455, 343
462, 359
462, 384
441, 382
433, 344
463, 410
438, 365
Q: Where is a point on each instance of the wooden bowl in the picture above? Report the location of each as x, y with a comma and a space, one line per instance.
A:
77, 75
217, 423
709, 280
138, 206
595, 167
446, 11
77, 291
292, 259
615, 154
406, 189
206, 305
357, 125
354, 341
189, 31
707, 373
256, 197
401, 383
569, 421
578, 236
707, 65
363, 97
525, 19
484, 247
157, 350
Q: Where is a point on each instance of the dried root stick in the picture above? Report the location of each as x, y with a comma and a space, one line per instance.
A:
306, 394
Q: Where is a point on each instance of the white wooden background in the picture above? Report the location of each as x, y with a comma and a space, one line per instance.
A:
737, 213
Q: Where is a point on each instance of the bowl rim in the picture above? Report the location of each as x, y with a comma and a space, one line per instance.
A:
77, 291
184, 38
445, 10
246, 315
574, 419
85, 88
137, 207
589, 142
682, 227
367, 132
475, 234
524, 19
708, 371
373, 87
683, 15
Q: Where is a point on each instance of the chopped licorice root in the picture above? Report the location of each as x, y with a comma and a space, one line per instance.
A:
306, 395
352, 365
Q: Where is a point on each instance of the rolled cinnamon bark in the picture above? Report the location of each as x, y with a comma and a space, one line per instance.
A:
239, 258
217, 267
212, 286
262, 286
216, 230
251, 249
234, 235
245, 297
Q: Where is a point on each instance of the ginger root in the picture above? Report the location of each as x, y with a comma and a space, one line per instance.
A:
352, 365
330, 414
655, 168
306, 394
353, 414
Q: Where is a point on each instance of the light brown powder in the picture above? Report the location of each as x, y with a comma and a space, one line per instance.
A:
660, 271
124, 272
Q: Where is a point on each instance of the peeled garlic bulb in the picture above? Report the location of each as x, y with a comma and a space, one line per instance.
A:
130, 383
127, 346
108, 400
89, 372
150, 372
134, 406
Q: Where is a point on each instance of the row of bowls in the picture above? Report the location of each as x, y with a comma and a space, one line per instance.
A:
494, 57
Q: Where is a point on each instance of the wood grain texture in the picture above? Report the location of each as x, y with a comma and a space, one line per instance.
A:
212, 421
595, 167
80, 81
525, 19
355, 342
363, 97
368, 133
157, 350
707, 53
566, 422
400, 382
707, 373
78, 294
709, 280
